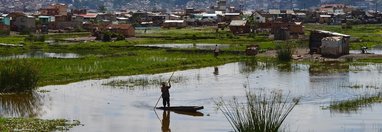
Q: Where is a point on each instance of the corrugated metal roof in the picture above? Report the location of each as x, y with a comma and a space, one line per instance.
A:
326, 16
333, 33
210, 15
301, 14
173, 21
289, 12
44, 16
238, 23
232, 14
274, 12
332, 38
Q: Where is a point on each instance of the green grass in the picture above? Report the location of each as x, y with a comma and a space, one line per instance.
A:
12, 39
260, 112
369, 35
20, 39
355, 104
57, 71
18, 76
372, 60
37, 125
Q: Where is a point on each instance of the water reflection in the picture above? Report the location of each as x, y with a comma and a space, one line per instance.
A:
187, 46
166, 121
216, 71
102, 108
21, 105
41, 54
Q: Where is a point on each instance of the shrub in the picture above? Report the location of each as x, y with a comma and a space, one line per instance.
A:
260, 113
18, 76
106, 36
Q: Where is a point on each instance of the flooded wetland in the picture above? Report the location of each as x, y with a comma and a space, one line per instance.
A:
127, 102
115, 85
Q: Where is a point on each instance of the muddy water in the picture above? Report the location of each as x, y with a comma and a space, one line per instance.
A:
124, 108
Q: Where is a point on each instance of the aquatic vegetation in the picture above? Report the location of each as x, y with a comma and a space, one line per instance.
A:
18, 75
27, 104
284, 52
143, 81
36, 125
355, 104
260, 112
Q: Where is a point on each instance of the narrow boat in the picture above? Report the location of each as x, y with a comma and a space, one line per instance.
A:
182, 108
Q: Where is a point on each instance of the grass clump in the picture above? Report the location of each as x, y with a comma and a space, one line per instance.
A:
355, 104
18, 76
284, 52
36, 125
260, 112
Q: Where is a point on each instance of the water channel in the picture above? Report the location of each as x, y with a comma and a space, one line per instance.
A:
114, 108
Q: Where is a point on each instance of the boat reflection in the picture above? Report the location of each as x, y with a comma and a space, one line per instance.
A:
189, 113
166, 118
166, 121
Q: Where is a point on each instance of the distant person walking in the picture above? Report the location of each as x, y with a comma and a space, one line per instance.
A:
166, 93
216, 51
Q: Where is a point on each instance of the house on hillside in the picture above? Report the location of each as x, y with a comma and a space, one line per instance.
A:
126, 30
106, 18
23, 23
54, 9
68, 23
325, 19
174, 23
239, 27
4, 29
228, 17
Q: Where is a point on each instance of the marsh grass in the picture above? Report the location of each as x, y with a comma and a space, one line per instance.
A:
36, 125
260, 113
18, 76
143, 81
61, 71
355, 104
284, 52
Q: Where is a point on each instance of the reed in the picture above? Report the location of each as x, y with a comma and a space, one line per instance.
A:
18, 76
260, 112
355, 104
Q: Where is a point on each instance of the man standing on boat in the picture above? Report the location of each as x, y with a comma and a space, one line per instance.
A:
166, 93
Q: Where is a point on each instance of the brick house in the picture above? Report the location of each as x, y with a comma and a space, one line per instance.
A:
126, 30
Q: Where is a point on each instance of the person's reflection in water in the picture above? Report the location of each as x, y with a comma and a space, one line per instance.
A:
166, 121
216, 71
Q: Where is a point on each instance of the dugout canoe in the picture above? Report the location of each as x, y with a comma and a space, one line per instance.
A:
182, 108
